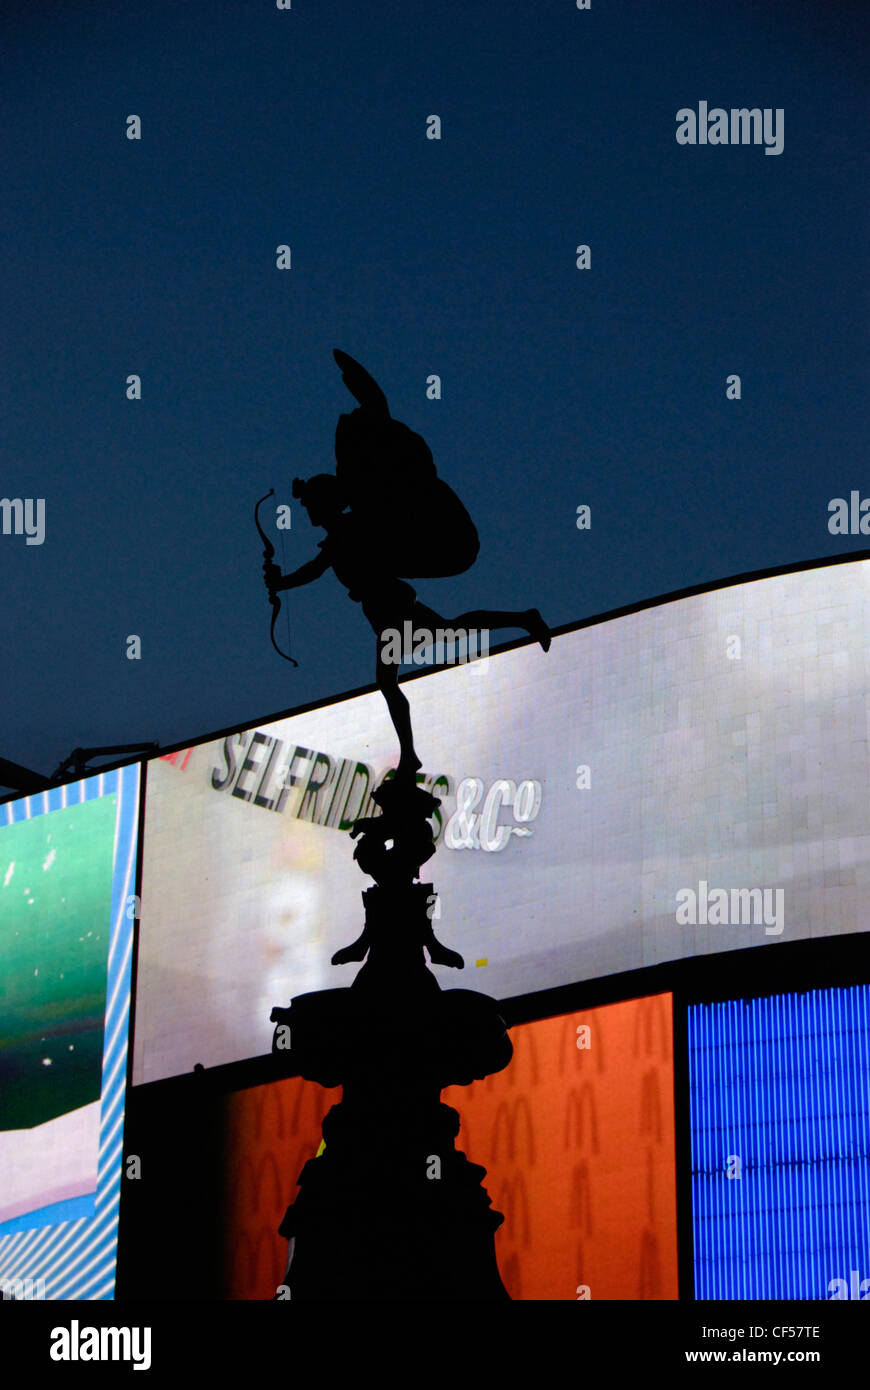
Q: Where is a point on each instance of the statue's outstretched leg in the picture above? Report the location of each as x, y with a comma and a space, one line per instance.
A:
477, 619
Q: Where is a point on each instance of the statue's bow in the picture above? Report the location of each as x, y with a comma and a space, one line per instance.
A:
274, 596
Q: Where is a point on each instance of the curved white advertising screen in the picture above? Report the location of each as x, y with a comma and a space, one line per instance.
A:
683, 780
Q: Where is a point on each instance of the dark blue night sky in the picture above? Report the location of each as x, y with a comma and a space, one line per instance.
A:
457, 257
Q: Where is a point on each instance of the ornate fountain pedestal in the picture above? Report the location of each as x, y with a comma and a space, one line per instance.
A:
391, 1210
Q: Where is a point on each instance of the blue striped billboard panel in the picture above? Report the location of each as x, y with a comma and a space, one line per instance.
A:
67, 884
780, 1145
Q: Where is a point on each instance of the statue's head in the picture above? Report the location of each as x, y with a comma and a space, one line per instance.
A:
321, 496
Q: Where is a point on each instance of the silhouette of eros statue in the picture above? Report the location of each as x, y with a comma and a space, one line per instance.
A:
386, 487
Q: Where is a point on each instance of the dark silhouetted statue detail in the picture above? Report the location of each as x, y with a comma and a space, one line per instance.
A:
391, 1209
388, 517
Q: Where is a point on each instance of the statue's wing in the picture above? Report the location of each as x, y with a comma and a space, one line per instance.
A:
361, 385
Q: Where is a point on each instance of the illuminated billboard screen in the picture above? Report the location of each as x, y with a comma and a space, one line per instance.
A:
576, 1135
780, 1122
684, 780
67, 880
